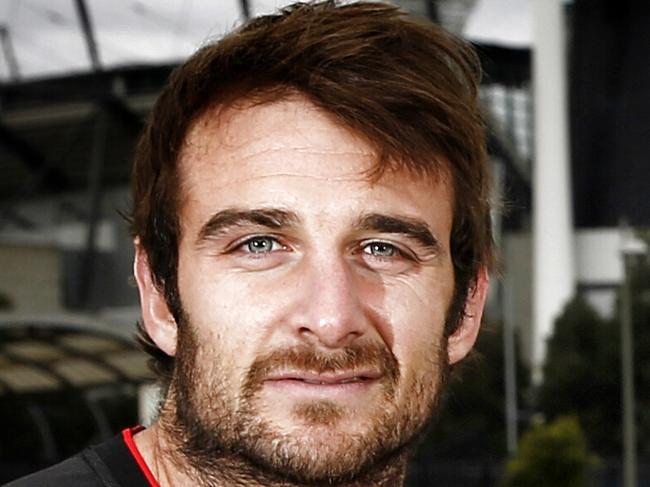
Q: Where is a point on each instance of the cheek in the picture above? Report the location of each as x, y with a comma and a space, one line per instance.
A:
225, 309
417, 312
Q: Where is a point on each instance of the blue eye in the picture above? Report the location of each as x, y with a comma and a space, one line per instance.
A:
260, 245
381, 249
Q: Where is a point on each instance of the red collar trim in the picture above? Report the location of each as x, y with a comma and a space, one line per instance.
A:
127, 435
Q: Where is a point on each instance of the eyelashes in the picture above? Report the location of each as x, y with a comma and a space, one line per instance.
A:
264, 251
261, 244
386, 250
265, 244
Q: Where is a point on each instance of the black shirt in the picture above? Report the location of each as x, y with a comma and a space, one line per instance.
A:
114, 463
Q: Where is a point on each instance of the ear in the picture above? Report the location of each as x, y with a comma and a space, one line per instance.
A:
462, 340
157, 319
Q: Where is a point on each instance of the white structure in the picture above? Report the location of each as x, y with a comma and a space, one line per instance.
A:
553, 259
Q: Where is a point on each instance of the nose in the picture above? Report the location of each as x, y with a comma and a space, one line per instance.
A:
331, 312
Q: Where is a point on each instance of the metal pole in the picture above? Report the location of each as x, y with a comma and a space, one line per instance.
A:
89, 35
94, 206
510, 366
627, 381
245, 9
96, 166
10, 55
432, 10
506, 299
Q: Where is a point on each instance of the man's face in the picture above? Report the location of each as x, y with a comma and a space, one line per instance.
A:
314, 300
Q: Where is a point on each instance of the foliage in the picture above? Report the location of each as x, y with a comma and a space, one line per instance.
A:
471, 422
581, 376
582, 372
553, 455
5, 303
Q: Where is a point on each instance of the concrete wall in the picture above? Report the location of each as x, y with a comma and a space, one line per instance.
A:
30, 277
599, 272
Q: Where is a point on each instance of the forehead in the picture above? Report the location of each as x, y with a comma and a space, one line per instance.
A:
290, 140
233, 134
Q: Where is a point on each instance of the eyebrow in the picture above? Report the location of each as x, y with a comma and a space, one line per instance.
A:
277, 218
414, 228
221, 221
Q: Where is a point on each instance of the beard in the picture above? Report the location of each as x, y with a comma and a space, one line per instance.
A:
216, 433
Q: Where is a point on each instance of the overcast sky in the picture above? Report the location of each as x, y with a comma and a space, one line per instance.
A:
47, 39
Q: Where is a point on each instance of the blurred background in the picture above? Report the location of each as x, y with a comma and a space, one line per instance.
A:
559, 391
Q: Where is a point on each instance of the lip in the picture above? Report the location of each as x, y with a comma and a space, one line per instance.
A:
346, 387
316, 379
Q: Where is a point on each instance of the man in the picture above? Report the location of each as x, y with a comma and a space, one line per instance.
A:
312, 234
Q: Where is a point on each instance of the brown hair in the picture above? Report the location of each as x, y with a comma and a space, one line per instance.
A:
408, 87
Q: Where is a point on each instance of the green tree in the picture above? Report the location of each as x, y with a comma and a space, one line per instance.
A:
553, 455
581, 375
471, 423
5, 302
582, 371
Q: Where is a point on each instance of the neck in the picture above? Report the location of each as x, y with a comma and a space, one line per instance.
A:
171, 467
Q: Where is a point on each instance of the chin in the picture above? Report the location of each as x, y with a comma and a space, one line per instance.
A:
318, 454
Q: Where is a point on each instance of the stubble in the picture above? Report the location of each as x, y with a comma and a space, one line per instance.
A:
225, 437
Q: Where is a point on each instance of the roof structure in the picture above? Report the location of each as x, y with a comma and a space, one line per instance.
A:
63, 387
74, 130
48, 128
37, 358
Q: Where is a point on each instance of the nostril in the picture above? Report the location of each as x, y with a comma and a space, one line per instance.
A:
330, 335
304, 330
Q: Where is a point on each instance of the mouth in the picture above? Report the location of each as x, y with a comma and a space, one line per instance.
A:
351, 380
315, 379
357, 376
339, 388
